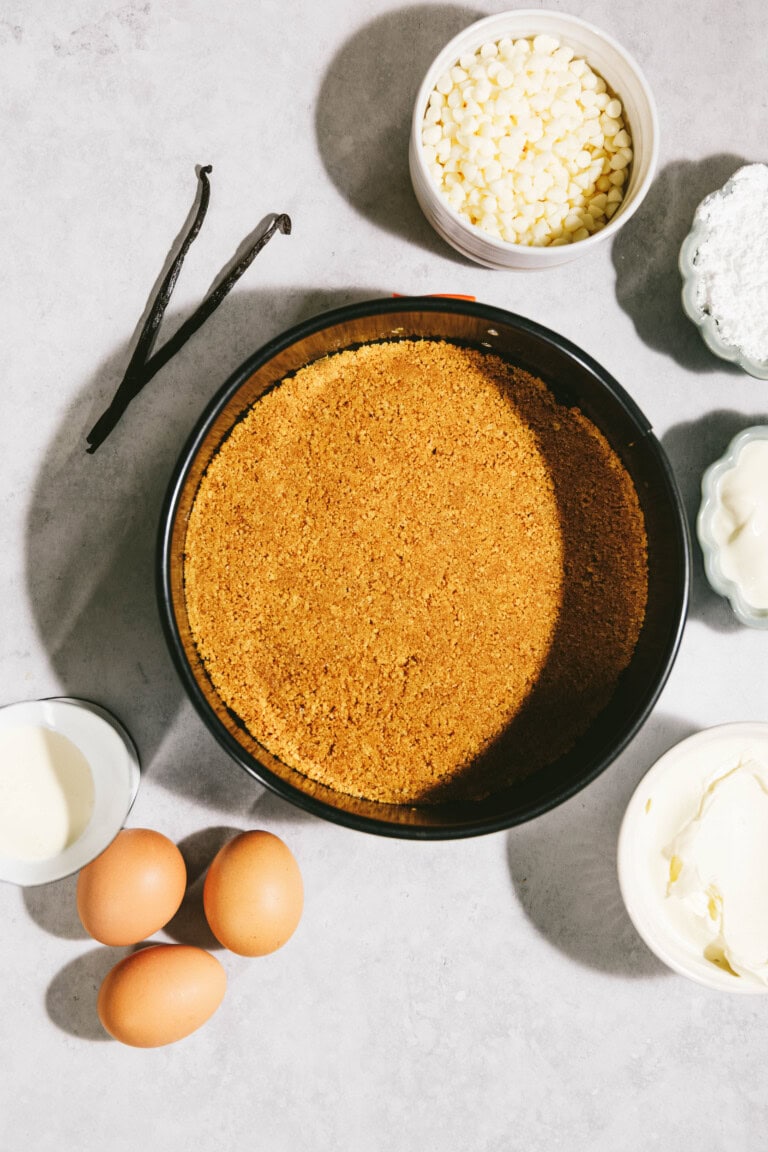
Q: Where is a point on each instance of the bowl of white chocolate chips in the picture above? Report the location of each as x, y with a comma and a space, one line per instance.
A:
534, 137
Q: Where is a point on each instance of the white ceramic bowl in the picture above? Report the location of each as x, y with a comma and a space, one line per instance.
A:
666, 798
114, 766
705, 530
622, 75
692, 304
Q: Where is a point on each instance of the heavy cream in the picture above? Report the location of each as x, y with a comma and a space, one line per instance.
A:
740, 523
46, 793
718, 870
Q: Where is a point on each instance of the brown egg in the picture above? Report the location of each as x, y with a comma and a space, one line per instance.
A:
133, 888
253, 894
160, 994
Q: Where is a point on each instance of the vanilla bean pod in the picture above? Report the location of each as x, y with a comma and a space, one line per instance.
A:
143, 372
148, 333
281, 223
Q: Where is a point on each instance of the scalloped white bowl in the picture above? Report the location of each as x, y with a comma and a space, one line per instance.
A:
704, 321
710, 502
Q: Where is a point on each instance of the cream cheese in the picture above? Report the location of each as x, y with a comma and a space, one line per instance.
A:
718, 870
740, 523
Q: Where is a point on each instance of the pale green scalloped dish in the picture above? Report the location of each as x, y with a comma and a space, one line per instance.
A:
710, 496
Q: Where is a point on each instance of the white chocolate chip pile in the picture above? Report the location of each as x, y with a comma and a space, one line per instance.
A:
525, 141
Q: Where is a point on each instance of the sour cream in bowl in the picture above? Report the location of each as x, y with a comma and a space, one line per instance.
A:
732, 526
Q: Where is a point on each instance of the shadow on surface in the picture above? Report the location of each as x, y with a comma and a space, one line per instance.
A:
563, 865
364, 110
71, 997
645, 254
93, 521
273, 811
691, 448
54, 908
189, 925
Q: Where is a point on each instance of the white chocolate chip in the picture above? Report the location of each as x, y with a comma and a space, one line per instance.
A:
525, 141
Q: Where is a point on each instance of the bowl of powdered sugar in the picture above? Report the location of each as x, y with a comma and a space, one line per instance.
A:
724, 264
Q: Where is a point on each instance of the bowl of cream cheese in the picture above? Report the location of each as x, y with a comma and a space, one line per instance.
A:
693, 858
732, 525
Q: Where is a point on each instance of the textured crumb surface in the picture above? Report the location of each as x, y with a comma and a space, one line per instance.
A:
402, 555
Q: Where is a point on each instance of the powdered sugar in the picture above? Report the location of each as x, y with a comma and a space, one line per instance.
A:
732, 261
